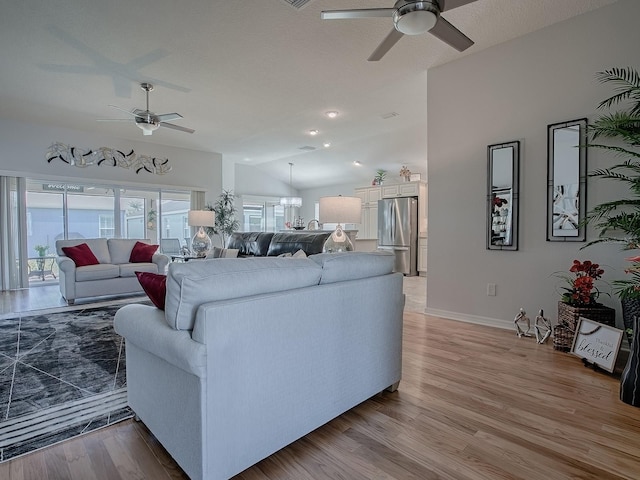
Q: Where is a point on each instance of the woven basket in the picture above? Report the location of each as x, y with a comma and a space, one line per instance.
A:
563, 338
568, 317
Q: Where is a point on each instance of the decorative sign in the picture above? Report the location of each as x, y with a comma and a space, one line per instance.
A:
107, 156
61, 187
597, 343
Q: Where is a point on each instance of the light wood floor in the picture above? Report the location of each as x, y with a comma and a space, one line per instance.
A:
475, 402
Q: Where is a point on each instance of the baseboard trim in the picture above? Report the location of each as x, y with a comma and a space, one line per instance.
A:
476, 319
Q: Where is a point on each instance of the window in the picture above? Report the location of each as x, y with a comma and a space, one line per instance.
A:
107, 227
262, 214
66, 211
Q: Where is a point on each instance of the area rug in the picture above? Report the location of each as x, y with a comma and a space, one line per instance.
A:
62, 374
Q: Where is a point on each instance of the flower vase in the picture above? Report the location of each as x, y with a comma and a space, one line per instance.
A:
630, 378
630, 309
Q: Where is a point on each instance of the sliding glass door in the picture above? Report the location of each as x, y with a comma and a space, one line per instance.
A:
57, 210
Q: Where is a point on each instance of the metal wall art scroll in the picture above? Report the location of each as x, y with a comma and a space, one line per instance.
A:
566, 181
104, 156
503, 178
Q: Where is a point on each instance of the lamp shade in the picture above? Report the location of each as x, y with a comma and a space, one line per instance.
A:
201, 218
340, 209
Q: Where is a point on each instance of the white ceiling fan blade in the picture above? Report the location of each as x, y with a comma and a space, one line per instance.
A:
389, 41
125, 111
165, 117
362, 13
451, 35
451, 4
177, 127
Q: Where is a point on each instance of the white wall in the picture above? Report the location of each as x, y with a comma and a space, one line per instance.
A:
250, 180
512, 92
23, 147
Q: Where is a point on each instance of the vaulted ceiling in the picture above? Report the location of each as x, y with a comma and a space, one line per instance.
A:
252, 77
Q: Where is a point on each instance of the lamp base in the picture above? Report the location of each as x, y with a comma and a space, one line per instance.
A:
200, 243
338, 241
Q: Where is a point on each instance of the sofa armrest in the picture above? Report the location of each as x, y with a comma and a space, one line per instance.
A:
67, 278
146, 327
66, 265
161, 260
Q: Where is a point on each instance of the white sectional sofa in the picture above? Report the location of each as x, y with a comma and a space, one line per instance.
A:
251, 354
114, 274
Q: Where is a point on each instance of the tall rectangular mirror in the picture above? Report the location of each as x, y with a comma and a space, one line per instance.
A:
503, 166
566, 181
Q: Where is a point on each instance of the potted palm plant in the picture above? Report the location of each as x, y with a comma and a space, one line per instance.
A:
226, 222
618, 221
618, 132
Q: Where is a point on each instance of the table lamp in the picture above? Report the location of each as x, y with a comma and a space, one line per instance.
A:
201, 243
340, 210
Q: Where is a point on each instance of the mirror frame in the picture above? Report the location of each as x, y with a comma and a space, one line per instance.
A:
515, 194
582, 180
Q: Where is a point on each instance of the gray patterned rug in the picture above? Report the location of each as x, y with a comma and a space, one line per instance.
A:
62, 374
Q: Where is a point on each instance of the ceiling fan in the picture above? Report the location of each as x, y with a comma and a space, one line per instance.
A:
411, 17
146, 120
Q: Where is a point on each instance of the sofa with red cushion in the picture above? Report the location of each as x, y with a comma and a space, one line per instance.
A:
93, 267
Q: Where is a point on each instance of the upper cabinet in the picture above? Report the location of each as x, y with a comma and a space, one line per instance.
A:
409, 189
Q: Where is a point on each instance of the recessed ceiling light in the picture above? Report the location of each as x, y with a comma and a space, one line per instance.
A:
326, 144
332, 114
313, 132
357, 163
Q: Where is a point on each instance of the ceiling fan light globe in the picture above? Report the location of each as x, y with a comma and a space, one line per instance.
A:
415, 18
147, 127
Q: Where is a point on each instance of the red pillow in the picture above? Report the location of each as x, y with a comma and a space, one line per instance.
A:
81, 255
142, 253
155, 286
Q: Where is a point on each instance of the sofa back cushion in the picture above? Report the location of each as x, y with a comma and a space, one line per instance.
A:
193, 283
250, 243
291, 242
98, 247
120, 248
342, 266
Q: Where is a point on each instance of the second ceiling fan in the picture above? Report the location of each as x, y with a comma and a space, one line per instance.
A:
411, 17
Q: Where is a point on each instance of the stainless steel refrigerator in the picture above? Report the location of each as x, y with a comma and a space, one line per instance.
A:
398, 231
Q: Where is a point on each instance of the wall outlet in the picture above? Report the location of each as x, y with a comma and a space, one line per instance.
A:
491, 289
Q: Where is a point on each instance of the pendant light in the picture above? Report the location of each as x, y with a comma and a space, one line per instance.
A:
291, 201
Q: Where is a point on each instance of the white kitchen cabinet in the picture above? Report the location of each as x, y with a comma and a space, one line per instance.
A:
369, 223
409, 189
422, 255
